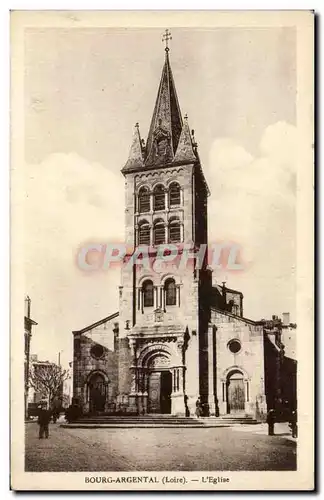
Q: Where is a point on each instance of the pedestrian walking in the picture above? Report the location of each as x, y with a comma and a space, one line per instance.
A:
271, 417
44, 418
198, 408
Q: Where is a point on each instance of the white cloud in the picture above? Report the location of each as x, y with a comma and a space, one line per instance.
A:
69, 202
253, 204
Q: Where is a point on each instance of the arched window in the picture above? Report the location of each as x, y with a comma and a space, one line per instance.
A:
144, 200
174, 231
174, 194
170, 292
147, 288
159, 198
159, 232
144, 233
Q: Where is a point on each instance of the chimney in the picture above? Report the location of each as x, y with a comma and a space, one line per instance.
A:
286, 319
27, 306
116, 335
224, 289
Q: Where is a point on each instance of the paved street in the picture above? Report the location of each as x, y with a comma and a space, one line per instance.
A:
237, 448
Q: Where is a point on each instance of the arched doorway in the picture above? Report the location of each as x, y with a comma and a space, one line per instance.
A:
97, 393
159, 384
235, 393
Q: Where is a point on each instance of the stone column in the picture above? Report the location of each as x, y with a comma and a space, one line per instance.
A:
151, 234
138, 291
136, 234
211, 371
166, 200
123, 373
223, 403
133, 403
155, 297
177, 397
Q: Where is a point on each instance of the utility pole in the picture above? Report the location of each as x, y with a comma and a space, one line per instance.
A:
28, 333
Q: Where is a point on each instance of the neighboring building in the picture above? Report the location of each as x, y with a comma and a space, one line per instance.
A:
176, 336
29, 323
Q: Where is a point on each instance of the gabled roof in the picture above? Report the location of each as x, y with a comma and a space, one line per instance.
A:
231, 290
98, 323
235, 316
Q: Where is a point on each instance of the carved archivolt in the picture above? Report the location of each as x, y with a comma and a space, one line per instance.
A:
148, 353
159, 361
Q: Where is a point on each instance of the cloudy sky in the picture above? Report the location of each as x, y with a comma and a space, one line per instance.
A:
84, 91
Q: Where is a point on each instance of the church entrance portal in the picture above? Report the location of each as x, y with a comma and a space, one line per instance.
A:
159, 393
235, 393
97, 393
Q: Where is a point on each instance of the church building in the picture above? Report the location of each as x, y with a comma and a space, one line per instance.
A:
177, 336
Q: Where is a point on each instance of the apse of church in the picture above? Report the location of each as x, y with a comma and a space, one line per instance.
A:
177, 336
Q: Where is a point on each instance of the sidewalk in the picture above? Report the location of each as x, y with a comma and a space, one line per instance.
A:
281, 429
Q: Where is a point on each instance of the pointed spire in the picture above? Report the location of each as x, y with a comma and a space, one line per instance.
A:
135, 157
166, 124
185, 150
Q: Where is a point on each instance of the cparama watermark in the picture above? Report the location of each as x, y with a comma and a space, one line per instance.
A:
104, 256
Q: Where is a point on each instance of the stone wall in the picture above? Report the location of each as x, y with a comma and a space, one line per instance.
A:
249, 360
85, 365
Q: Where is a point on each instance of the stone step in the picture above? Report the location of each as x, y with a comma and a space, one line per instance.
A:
138, 425
158, 421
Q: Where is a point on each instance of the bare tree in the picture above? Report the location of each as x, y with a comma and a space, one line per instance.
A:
48, 379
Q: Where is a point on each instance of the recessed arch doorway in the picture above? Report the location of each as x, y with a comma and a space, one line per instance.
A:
159, 384
97, 387
235, 392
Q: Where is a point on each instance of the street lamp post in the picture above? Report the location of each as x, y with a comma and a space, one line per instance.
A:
28, 323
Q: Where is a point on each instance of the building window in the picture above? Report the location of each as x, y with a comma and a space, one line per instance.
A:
174, 194
144, 200
97, 351
170, 292
148, 300
144, 233
159, 198
159, 232
174, 231
234, 346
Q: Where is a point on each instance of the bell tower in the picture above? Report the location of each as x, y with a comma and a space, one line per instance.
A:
163, 308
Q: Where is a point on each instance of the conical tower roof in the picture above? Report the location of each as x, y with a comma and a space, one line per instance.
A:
185, 150
166, 124
135, 157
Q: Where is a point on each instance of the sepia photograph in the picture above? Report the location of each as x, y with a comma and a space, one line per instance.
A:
161, 183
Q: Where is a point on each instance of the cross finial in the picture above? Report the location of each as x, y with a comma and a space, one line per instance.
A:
165, 38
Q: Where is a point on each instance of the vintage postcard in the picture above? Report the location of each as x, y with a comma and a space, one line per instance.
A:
162, 250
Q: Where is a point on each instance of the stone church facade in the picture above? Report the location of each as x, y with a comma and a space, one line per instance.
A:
177, 336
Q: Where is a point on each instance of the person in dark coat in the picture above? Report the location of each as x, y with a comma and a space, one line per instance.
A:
198, 408
293, 423
44, 418
271, 417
